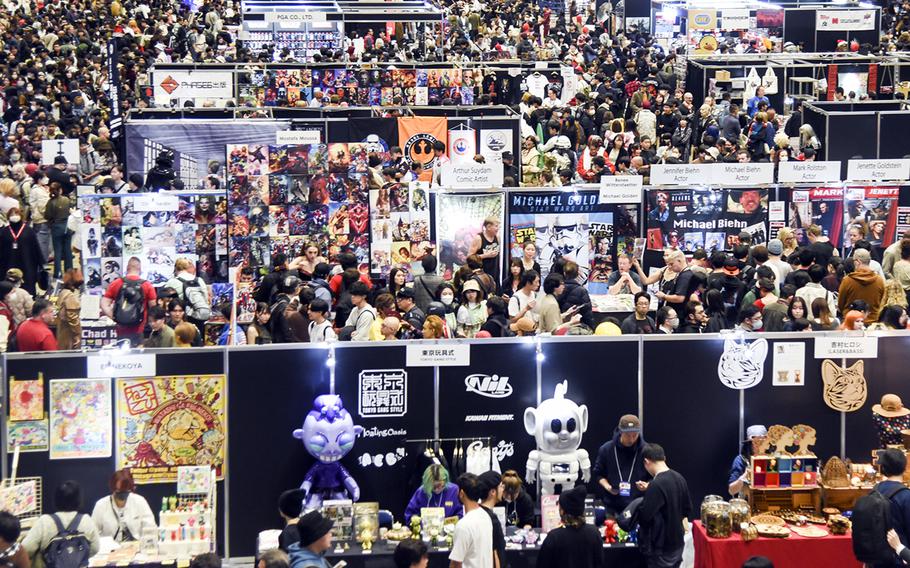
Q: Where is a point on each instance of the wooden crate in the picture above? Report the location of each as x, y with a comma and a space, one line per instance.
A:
842, 498
773, 499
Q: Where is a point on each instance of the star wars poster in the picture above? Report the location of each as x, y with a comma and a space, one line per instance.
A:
459, 218
712, 219
80, 419
417, 136
167, 422
574, 226
822, 206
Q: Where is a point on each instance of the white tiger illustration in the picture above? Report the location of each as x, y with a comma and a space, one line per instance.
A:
743, 364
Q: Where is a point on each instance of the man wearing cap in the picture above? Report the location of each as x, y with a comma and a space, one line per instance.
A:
618, 467
862, 284
472, 544
58, 174
315, 533
780, 268
493, 489
664, 512
739, 471
575, 543
411, 314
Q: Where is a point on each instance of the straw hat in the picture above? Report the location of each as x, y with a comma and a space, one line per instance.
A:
891, 407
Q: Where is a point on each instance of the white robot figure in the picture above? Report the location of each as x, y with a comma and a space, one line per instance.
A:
557, 425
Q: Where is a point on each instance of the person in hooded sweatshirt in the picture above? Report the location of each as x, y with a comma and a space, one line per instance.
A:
861, 284
619, 466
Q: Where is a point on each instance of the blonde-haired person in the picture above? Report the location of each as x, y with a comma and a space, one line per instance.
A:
7, 199
516, 501
433, 328
192, 292
185, 334
787, 237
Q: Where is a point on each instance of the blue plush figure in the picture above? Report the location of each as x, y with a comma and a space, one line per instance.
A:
328, 434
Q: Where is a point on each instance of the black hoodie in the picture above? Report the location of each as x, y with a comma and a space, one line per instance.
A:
630, 461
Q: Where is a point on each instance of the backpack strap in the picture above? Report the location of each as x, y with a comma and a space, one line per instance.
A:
890, 494
74, 525
60, 528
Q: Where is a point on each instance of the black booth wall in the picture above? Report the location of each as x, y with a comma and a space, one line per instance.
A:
672, 382
799, 28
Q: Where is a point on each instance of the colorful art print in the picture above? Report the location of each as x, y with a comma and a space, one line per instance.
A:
257, 160
381, 261
278, 220
398, 197
212, 268
336, 187
239, 251
317, 219
28, 435
296, 245
20, 499
205, 239
207, 210
237, 159
872, 211
91, 210
420, 249
185, 239
339, 158
259, 191
379, 203
401, 253
221, 293
80, 418
211, 332
92, 275
422, 78
238, 190
90, 240
298, 190
278, 189
167, 422
112, 241
358, 186
381, 230
110, 270
246, 304
159, 237
194, 479
111, 213
339, 223
280, 245
360, 162
259, 221
26, 399
319, 194
128, 211
297, 215
359, 218
260, 252
240, 221
186, 210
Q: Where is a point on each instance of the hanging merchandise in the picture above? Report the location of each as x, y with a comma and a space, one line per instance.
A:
481, 458
80, 418
417, 136
742, 365
753, 81
769, 81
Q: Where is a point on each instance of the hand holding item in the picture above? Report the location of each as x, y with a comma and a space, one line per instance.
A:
894, 541
641, 485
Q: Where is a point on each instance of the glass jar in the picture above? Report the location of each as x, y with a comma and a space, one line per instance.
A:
718, 523
708, 499
740, 512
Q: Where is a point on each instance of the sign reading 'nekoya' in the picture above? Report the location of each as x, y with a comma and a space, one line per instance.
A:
808, 172
681, 174
471, 175
120, 365
205, 84
743, 174
878, 170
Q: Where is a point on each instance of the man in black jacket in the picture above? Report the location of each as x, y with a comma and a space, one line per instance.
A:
576, 295
619, 466
664, 512
279, 326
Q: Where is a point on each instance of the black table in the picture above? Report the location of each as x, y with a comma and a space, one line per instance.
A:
620, 556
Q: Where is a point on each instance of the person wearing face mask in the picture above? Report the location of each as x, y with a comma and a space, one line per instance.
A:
445, 293
123, 515
19, 249
749, 319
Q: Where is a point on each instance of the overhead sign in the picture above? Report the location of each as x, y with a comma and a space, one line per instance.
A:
495, 141
702, 19
878, 170
120, 365
846, 347
844, 20
273, 17
681, 174
204, 84
448, 355
471, 175
620, 189
735, 19
808, 172
298, 137
68, 148
743, 174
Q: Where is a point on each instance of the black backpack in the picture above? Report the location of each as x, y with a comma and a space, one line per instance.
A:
129, 307
70, 548
871, 521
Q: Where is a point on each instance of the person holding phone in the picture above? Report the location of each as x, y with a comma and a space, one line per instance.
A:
619, 470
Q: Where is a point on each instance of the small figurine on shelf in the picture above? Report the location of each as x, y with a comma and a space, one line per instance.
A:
621, 535
172, 503
610, 535
415, 527
164, 504
366, 538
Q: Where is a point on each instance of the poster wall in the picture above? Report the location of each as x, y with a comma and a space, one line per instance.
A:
575, 226
80, 418
873, 210
822, 206
711, 219
400, 227
459, 218
166, 422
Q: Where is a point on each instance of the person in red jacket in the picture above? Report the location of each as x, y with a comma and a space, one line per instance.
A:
34, 334
593, 149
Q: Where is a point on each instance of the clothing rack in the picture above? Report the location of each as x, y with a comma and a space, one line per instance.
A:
429, 440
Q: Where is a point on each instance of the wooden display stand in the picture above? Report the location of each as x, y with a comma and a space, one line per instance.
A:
769, 499
843, 498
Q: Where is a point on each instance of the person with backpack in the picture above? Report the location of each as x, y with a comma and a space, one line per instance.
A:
66, 538
12, 555
886, 507
192, 292
279, 327
319, 283
127, 300
268, 287
360, 320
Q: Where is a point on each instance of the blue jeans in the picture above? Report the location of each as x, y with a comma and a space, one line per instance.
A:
43, 232
63, 248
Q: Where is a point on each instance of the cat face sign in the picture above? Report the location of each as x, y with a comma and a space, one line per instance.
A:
742, 365
845, 389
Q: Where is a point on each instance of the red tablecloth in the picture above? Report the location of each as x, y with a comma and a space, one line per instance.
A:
792, 552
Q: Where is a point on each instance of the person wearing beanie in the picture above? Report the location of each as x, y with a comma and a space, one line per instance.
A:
663, 512
775, 261
315, 533
575, 544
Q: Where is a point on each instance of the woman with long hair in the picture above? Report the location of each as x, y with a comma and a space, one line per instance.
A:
796, 309
821, 316
891, 317
445, 294
716, 312
473, 310
257, 333
787, 237
435, 491
511, 284
69, 306
855, 320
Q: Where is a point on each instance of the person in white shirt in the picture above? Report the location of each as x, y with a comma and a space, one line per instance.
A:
123, 515
814, 289
67, 502
472, 544
523, 302
362, 316
320, 327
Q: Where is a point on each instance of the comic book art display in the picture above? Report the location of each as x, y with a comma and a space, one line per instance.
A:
80, 418
167, 422
400, 227
557, 425
328, 434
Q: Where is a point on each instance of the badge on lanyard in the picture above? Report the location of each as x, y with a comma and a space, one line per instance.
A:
625, 489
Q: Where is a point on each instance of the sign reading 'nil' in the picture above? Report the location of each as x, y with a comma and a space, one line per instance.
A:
490, 386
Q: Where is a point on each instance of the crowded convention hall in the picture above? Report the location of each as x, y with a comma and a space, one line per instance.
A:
486, 250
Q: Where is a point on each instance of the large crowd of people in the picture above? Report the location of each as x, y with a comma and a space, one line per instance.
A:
630, 111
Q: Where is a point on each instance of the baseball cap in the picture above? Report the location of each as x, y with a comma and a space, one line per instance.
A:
60, 160
629, 423
731, 267
405, 293
755, 431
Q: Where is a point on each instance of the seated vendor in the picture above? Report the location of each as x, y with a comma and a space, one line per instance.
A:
518, 504
739, 471
436, 491
123, 515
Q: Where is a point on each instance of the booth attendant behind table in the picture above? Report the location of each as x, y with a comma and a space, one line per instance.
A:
739, 471
435, 491
123, 515
619, 470
518, 504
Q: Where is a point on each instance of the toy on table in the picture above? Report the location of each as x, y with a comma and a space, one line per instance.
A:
366, 539
610, 534
415, 527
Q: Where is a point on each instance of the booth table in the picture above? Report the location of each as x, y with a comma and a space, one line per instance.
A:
792, 552
526, 556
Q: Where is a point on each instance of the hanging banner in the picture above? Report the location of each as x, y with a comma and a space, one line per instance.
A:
191, 84
462, 145
702, 20
735, 19
874, 211
844, 20
493, 142
459, 218
166, 422
822, 206
711, 219
575, 226
378, 134
417, 136
80, 418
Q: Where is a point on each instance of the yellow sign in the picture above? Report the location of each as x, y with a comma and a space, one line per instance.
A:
702, 19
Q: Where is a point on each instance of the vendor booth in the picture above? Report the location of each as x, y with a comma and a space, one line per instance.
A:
871, 129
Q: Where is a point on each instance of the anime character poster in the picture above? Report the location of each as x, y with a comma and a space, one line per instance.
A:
26, 399
689, 219
822, 206
167, 422
28, 435
80, 418
459, 219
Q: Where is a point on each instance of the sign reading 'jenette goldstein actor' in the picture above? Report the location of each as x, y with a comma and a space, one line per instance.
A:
878, 170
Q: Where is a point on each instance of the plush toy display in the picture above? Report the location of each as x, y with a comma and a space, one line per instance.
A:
557, 425
328, 434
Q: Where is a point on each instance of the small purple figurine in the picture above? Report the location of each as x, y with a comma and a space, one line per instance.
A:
328, 434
